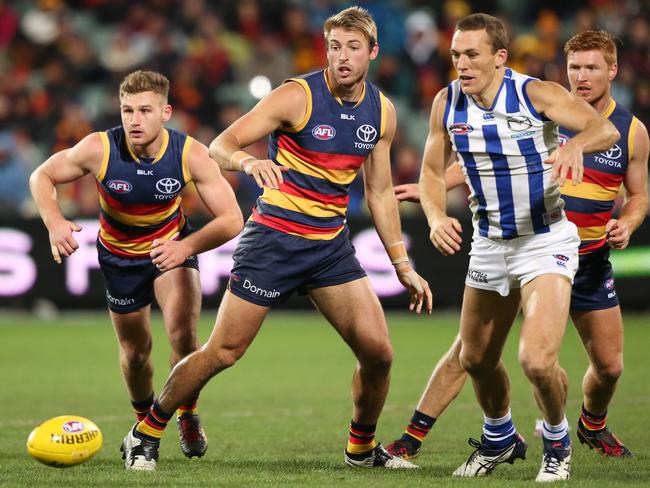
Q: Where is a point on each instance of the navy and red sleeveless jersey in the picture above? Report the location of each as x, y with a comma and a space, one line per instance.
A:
589, 205
140, 200
324, 154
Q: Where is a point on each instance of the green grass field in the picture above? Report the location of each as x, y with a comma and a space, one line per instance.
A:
280, 416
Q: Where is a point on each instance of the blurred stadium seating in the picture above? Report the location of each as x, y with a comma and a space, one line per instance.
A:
62, 62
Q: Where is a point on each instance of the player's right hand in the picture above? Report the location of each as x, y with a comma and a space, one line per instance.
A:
265, 172
62, 243
409, 192
445, 235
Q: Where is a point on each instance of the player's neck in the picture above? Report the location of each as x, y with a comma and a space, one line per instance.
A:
149, 150
602, 104
350, 93
486, 97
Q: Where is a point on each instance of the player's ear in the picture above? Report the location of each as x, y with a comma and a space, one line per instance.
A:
613, 71
167, 113
374, 52
501, 56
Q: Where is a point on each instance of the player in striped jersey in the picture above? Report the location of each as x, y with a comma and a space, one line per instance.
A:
145, 246
591, 67
503, 128
324, 126
595, 310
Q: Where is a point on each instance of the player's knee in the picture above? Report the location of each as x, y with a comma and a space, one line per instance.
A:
378, 358
537, 367
475, 363
136, 356
224, 358
610, 372
183, 341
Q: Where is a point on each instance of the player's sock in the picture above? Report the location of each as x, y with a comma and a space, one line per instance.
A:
418, 428
191, 408
362, 438
557, 433
500, 432
142, 407
591, 422
153, 426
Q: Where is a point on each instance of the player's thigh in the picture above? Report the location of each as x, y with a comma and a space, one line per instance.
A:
178, 293
133, 330
238, 322
355, 312
545, 307
601, 332
485, 321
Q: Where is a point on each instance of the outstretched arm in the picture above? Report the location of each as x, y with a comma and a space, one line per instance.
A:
219, 198
410, 192
635, 208
383, 209
283, 107
594, 133
63, 167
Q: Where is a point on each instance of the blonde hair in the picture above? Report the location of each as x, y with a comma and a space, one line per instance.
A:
142, 81
355, 19
593, 40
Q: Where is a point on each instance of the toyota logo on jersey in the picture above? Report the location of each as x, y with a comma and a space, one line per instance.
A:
366, 133
168, 186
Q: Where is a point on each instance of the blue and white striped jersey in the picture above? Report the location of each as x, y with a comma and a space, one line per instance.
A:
501, 150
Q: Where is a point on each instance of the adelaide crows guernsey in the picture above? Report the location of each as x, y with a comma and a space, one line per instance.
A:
324, 154
501, 150
589, 205
140, 201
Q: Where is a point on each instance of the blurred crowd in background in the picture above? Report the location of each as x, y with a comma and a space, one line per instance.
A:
61, 63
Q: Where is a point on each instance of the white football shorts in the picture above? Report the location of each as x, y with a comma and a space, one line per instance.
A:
502, 265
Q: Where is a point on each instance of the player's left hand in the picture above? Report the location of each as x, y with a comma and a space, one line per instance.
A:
167, 254
618, 234
418, 288
564, 159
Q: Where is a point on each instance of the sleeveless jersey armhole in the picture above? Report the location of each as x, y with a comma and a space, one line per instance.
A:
185, 159
303, 122
106, 153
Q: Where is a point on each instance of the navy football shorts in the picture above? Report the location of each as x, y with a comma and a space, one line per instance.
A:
593, 285
270, 265
129, 281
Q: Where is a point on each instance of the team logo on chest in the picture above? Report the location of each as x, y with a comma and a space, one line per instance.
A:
610, 157
367, 134
323, 132
169, 187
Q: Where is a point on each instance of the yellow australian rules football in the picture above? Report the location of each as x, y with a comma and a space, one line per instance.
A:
64, 441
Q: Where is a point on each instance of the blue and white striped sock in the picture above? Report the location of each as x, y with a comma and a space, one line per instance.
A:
499, 433
557, 433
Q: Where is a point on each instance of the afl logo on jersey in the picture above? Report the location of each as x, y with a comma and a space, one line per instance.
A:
119, 186
460, 129
563, 140
168, 186
323, 132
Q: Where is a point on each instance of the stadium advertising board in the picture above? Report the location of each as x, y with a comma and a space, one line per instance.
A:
29, 276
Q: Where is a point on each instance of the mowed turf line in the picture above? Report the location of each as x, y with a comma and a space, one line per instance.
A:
279, 417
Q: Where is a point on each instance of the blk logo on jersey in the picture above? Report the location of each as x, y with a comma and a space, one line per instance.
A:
323, 132
488, 116
460, 129
119, 186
